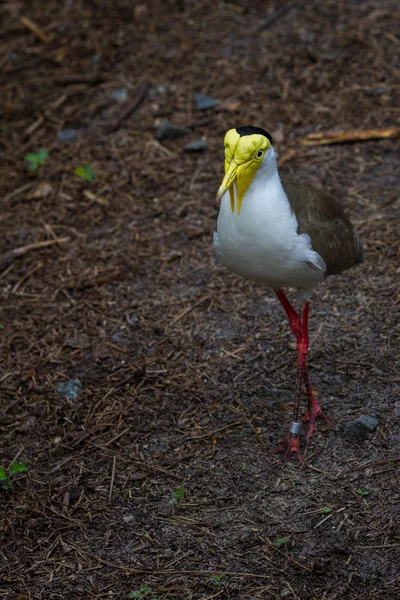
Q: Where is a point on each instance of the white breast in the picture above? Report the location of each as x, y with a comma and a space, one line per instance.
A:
262, 244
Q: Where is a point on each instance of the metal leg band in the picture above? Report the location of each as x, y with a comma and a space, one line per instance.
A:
295, 427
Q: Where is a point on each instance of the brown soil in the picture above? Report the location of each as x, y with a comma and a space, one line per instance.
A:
188, 372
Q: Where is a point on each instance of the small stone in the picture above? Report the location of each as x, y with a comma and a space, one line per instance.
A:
67, 136
196, 146
128, 518
81, 340
168, 131
120, 340
205, 102
120, 95
377, 91
70, 389
307, 37
361, 427
29, 424
41, 191
140, 11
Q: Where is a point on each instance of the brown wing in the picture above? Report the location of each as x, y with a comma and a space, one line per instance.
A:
332, 235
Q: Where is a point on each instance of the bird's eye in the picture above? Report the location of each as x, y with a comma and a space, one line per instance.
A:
259, 154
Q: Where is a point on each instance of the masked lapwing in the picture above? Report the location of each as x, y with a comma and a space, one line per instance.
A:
281, 234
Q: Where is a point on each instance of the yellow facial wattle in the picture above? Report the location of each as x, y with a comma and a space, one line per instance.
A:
243, 156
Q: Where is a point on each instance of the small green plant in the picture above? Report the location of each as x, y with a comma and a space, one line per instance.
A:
218, 579
85, 172
178, 495
36, 159
362, 492
6, 475
143, 592
280, 542
1, 326
326, 510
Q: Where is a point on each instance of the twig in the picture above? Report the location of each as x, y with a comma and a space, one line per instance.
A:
7, 258
167, 571
370, 465
27, 276
237, 412
187, 310
34, 29
323, 520
286, 555
112, 477
116, 437
286, 157
278, 14
132, 106
20, 451
357, 135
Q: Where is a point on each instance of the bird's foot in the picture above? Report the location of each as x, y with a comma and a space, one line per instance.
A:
313, 412
291, 444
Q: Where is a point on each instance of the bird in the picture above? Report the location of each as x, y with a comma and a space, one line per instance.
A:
281, 234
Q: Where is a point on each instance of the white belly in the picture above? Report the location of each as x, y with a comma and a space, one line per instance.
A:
262, 244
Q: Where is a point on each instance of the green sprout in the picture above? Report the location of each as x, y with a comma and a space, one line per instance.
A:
36, 159
362, 492
326, 510
143, 592
280, 542
178, 495
86, 172
218, 579
6, 475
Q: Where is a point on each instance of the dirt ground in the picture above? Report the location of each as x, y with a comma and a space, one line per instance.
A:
160, 477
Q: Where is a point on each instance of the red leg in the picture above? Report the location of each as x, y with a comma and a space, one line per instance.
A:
294, 318
291, 444
300, 329
314, 408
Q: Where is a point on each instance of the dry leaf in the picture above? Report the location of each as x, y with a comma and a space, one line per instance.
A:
43, 189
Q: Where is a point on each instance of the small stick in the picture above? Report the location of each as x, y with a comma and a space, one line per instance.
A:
132, 106
286, 555
370, 465
200, 573
7, 258
187, 310
20, 451
278, 14
357, 135
34, 29
26, 276
112, 477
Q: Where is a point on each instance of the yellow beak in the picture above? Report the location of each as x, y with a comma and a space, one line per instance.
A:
227, 184
242, 175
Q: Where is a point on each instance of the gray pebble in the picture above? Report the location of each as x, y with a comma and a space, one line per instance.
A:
120, 95
70, 389
361, 427
196, 146
168, 131
377, 91
204, 102
67, 136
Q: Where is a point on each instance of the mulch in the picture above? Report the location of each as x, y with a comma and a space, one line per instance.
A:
160, 478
